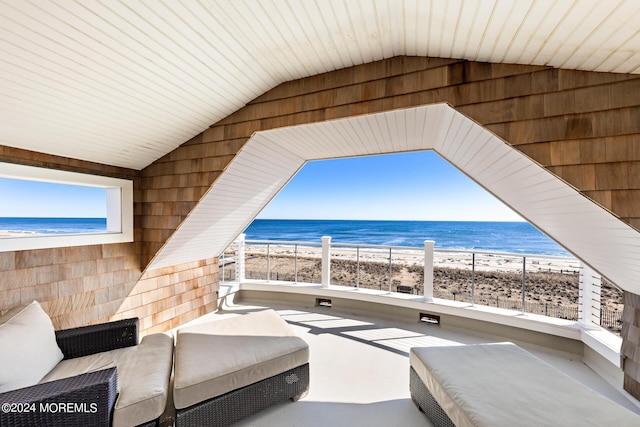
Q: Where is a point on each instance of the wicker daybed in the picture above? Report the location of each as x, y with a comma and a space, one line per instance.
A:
229, 369
503, 385
89, 376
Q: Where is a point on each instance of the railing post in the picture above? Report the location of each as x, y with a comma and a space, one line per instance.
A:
589, 296
240, 258
358, 267
326, 261
295, 266
268, 262
473, 279
524, 281
390, 271
428, 269
222, 258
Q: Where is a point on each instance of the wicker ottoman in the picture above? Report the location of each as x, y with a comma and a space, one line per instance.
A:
229, 369
501, 384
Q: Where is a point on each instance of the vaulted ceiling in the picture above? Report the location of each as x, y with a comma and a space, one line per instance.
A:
125, 82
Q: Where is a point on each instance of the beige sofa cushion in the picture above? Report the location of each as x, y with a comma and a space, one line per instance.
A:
502, 384
220, 356
29, 349
143, 377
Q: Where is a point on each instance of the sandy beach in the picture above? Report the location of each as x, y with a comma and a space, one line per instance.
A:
551, 284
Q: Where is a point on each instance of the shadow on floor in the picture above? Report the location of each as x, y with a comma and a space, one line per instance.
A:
400, 412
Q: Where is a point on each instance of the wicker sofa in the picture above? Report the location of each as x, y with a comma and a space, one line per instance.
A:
96, 375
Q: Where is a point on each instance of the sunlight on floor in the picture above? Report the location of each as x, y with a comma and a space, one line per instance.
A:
360, 369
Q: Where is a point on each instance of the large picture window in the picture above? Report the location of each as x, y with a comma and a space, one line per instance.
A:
45, 208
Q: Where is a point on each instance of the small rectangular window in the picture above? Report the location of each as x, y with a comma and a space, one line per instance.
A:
36, 208
44, 208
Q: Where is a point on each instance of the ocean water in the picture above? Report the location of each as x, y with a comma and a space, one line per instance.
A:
53, 226
511, 237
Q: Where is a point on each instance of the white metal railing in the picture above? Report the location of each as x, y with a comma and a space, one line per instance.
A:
475, 261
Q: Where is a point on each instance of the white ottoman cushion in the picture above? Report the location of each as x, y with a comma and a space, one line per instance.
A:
502, 384
220, 356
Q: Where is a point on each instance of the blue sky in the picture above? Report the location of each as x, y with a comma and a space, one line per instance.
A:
408, 186
22, 198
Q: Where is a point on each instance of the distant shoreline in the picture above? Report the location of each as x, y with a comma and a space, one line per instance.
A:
386, 220
40, 226
17, 233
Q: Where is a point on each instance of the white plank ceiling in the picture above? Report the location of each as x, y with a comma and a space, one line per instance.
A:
123, 82
271, 158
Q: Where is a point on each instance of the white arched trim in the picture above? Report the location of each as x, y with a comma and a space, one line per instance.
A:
271, 158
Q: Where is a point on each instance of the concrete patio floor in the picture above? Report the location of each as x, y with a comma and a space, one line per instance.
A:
359, 367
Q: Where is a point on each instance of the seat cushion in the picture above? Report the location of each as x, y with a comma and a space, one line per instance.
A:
29, 349
220, 356
144, 372
504, 385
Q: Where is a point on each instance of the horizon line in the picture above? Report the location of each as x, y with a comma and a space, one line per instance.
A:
53, 217
389, 220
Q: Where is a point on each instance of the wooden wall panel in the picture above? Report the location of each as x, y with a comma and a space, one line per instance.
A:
166, 298
76, 285
631, 344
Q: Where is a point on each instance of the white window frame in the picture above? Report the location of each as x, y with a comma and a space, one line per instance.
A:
119, 208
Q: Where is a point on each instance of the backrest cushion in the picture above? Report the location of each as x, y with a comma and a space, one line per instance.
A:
10, 313
28, 349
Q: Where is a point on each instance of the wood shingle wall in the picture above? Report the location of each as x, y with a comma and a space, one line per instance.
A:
631, 343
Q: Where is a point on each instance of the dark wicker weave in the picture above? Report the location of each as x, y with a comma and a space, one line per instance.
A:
239, 404
94, 339
92, 396
426, 403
